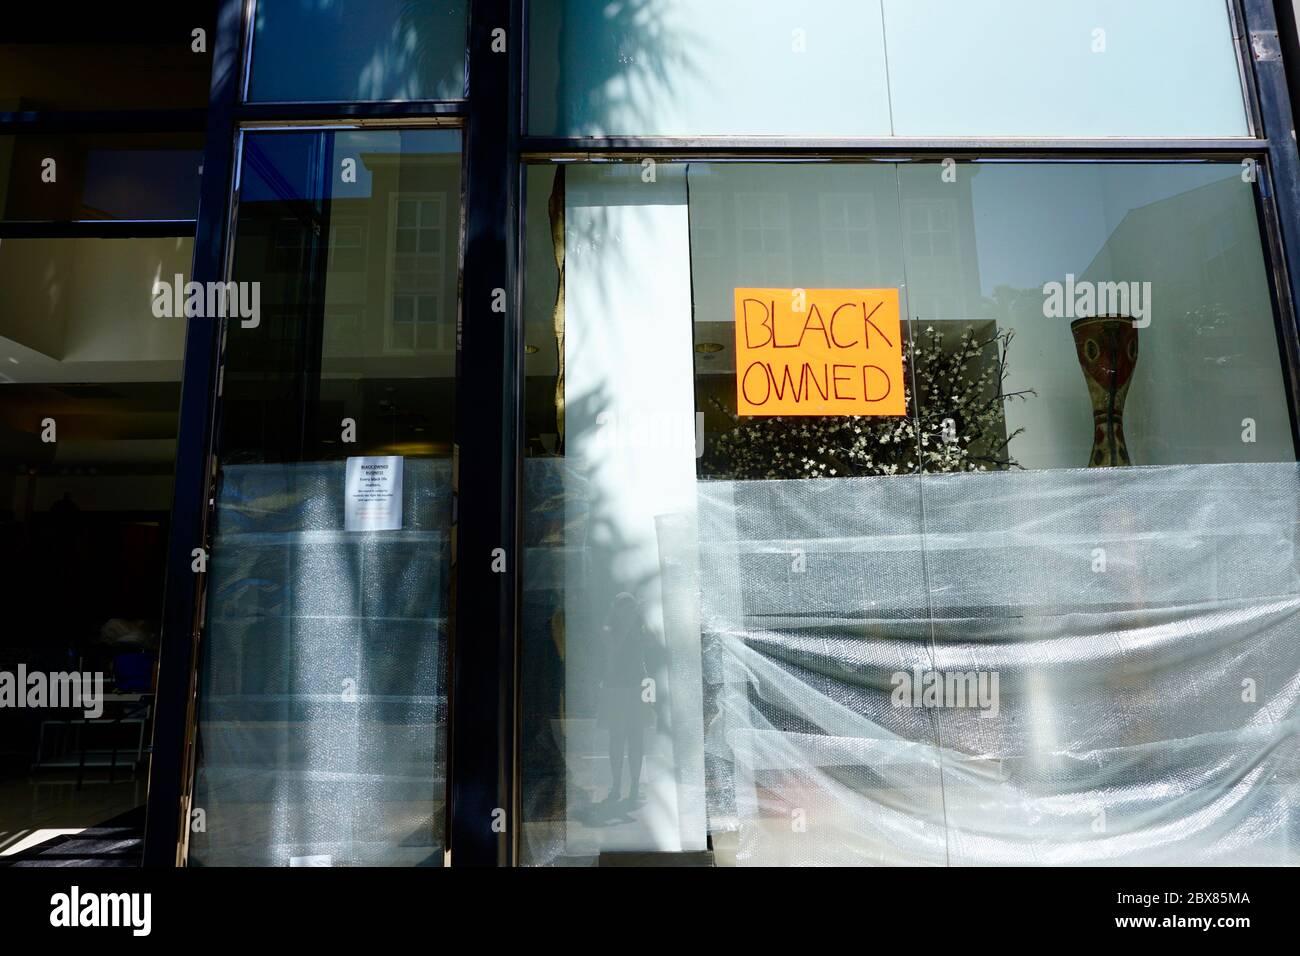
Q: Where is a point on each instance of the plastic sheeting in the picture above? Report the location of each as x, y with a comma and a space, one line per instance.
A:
323, 697
1142, 623
575, 565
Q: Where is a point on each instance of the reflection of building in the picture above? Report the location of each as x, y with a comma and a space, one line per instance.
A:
940, 251
800, 227
413, 232
364, 287
1210, 348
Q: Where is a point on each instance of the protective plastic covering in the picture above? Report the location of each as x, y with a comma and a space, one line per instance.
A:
1142, 624
323, 698
577, 564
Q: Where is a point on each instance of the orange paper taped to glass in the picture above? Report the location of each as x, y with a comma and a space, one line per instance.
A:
819, 352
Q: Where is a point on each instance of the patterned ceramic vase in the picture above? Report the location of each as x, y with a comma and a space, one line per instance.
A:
1108, 353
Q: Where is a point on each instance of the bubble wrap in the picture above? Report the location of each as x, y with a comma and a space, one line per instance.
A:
322, 705
1143, 624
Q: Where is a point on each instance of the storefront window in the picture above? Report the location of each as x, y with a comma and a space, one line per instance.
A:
361, 50
323, 698
97, 177
1033, 434
1070, 69
1173, 246
884, 68
89, 403
673, 68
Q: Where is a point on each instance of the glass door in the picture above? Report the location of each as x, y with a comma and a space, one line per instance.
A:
322, 691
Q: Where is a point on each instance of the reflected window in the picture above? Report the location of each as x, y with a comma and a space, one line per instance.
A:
418, 237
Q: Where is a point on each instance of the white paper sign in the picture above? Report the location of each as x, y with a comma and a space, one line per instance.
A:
373, 494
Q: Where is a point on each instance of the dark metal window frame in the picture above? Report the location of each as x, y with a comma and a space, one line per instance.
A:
88, 122
482, 623
485, 708
83, 122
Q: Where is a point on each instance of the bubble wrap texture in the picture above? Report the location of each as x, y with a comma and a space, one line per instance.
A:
1144, 624
290, 763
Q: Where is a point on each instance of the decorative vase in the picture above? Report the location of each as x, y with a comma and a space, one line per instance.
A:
1108, 351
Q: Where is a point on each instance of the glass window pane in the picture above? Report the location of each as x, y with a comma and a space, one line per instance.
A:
101, 176
82, 310
141, 55
1077, 68
1174, 246
1085, 503
362, 50
1158, 68
678, 68
595, 620
403, 309
404, 335
323, 699
89, 400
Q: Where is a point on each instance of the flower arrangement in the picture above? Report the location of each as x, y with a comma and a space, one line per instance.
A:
956, 422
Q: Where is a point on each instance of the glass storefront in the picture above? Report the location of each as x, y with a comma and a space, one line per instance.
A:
720, 605
739, 433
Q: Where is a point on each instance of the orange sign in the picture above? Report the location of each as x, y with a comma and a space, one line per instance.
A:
819, 352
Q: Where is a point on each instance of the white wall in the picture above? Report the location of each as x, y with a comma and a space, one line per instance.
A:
628, 359
82, 309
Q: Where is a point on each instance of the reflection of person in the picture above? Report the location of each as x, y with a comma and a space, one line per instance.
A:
622, 709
